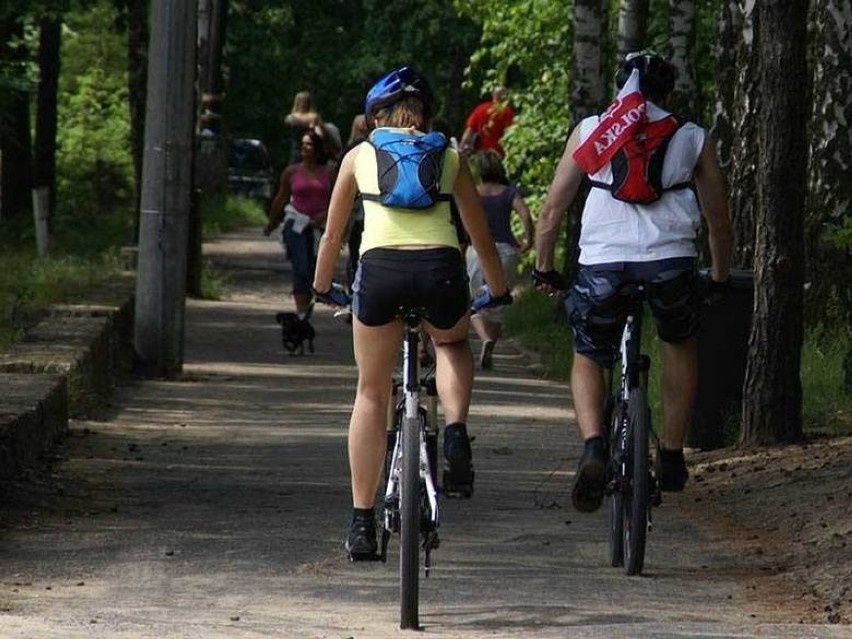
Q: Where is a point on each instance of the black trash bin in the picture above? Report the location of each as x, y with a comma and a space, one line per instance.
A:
722, 352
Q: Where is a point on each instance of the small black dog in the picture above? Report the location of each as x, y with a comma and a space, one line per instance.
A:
295, 332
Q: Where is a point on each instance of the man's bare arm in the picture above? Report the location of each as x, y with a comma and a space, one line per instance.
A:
712, 194
563, 189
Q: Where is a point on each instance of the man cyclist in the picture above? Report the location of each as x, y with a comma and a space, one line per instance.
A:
408, 258
622, 241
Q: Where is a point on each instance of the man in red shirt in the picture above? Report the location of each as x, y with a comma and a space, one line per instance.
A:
486, 124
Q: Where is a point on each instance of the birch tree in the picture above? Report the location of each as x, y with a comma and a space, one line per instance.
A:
587, 90
682, 29
829, 268
744, 159
632, 26
724, 116
588, 94
44, 151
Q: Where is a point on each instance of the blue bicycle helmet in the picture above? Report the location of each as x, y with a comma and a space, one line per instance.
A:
656, 74
396, 85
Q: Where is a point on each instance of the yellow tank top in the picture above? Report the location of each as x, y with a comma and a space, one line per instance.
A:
385, 226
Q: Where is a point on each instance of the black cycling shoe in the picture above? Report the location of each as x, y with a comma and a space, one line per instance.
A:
590, 482
361, 541
673, 471
458, 462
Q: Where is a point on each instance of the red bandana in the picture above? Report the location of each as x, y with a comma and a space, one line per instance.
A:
618, 124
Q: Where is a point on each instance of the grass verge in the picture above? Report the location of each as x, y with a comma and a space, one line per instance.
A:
537, 323
28, 282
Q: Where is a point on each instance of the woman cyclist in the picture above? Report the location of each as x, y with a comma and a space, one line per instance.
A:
408, 258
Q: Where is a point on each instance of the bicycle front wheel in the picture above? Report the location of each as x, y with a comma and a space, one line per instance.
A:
636, 497
615, 476
409, 564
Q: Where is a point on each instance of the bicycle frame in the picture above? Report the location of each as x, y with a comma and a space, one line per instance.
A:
627, 471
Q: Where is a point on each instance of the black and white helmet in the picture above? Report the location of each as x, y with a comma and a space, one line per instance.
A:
656, 74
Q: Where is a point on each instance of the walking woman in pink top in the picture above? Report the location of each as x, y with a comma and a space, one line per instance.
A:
302, 204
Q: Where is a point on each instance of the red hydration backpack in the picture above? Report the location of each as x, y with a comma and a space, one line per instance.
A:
637, 167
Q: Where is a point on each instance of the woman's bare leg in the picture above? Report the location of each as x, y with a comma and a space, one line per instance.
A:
376, 351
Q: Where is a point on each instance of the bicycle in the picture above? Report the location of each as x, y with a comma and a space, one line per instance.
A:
632, 486
410, 505
411, 498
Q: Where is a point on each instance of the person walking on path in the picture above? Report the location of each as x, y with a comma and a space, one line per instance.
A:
302, 118
408, 258
486, 124
500, 200
301, 202
628, 241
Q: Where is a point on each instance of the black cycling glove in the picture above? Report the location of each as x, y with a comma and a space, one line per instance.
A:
484, 299
552, 278
335, 296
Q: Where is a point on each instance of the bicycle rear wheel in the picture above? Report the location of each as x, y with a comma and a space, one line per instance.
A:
614, 497
637, 495
409, 564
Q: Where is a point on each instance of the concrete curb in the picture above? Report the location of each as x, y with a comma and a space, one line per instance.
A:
65, 366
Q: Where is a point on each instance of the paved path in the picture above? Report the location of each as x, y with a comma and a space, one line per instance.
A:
215, 506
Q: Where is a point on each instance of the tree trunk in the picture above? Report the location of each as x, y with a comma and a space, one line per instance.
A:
588, 92
772, 408
44, 162
588, 96
137, 69
744, 160
15, 138
724, 115
682, 25
723, 129
829, 264
632, 26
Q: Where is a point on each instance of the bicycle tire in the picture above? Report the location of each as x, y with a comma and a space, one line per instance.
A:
615, 498
637, 496
409, 546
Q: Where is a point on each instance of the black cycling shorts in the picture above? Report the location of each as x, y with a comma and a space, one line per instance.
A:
432, 279
596, 310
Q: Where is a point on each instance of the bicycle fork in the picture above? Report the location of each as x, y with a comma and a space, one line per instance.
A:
408, 407
637, 366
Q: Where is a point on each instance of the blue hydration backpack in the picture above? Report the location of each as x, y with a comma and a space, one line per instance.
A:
409, 169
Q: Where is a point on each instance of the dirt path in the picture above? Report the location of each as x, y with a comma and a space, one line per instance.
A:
215, 506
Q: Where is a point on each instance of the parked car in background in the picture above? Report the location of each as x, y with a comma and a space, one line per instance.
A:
250, 169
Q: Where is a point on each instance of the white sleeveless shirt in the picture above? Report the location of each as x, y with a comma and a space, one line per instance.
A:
616, 231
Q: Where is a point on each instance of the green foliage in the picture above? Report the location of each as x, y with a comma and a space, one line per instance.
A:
94, 171
213, 281
335, 49
222, 215
826, 400
841, 234
526, 45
